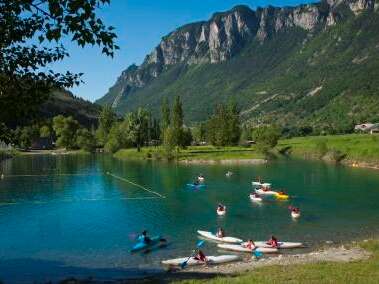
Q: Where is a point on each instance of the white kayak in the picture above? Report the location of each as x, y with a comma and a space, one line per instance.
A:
295, 215
212, 236
210, 260
259, 184
281, 245
265, 192
255, 198
201, 179
221, 212
241, 248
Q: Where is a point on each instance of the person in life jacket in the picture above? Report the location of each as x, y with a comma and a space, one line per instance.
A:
273, 242
200, 256
220, 233
294, 209
250, 245
145, 238
220, 207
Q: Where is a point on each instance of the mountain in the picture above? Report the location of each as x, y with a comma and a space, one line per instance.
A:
314, 64
65, 103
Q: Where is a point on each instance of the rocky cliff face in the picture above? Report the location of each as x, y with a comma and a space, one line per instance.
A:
224, 35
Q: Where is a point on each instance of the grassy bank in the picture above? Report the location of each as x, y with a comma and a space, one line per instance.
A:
365, 271
193, 153
352, 147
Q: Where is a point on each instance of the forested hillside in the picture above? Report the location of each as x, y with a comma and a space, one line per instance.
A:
312, 65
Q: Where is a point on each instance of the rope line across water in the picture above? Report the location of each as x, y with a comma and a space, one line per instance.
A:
75, 200
137, 185
49, 175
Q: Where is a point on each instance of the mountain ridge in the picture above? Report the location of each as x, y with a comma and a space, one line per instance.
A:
225, 36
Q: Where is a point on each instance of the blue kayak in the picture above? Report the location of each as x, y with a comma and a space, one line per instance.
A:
195, 185
141, 245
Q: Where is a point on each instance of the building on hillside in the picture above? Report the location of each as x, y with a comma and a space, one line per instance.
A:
42, 144
367, 127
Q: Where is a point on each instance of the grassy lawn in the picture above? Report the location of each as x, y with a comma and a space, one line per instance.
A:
192, 153
366, 271
360, 147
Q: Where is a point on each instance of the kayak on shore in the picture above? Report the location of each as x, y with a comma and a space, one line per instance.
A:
213, 237
210, 260
241, 248
281, 245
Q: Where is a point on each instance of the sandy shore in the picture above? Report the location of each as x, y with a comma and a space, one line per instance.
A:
337, 254
224, 162
329, 254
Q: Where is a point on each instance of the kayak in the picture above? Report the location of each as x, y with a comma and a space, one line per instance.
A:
140, 245
259, 184
201, 179
295, 214
255, 198
265, 192
241, 248
282, 245
221, 212
210, 260
282, 196
195, 185
212, 236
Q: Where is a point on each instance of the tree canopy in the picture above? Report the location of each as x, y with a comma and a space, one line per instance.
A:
31, 38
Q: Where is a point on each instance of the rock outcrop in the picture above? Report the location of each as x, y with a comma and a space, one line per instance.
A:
223, 36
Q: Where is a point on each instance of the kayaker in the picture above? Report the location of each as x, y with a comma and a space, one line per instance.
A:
196, 182
145, 238
220, 232
200, 178
200, 256
273, 242
220, 207
294, 209
250, 245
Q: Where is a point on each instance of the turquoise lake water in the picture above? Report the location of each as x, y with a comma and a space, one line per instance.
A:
63, 216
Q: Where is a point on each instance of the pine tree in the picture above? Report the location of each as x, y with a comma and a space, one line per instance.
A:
177, 122
165, 114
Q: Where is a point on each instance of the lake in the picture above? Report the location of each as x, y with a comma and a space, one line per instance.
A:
63, 216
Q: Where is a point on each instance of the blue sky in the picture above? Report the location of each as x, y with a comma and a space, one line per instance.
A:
140, 24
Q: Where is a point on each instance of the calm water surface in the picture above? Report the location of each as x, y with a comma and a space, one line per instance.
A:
63, 216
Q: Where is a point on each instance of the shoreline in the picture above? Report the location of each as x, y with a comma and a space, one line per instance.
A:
223, 161
348, 253
329, 254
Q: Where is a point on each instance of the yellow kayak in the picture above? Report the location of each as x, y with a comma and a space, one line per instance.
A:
282, 196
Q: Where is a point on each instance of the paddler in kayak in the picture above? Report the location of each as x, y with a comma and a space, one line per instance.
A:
250, 245
273, 242
200, 256
200, 178
220, 232
295, 210
220, 207
145, 238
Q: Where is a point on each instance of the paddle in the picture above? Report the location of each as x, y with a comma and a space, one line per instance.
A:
184, 263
